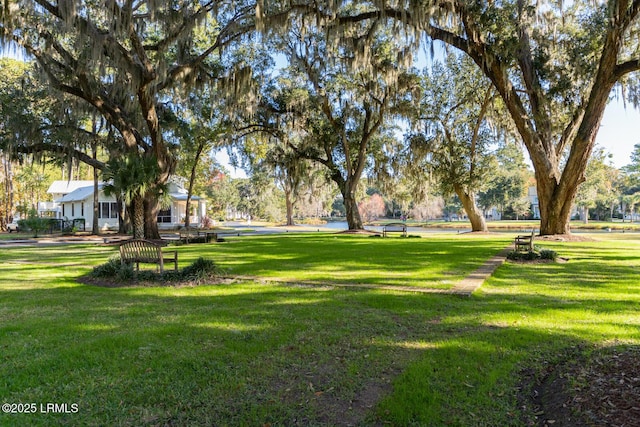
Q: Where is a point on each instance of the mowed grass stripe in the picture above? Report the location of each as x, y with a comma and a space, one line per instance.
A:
256, 354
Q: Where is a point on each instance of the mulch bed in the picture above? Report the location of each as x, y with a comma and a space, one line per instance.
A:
565, 238
600, 390
558, 260
111, 283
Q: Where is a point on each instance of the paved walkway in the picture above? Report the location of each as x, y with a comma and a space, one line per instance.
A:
463, 288
473, 281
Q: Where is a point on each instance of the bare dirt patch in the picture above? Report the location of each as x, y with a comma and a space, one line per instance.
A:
111, 283
600, 390
565, 238
361, 232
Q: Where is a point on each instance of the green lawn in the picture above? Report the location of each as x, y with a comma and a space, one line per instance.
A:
433, 261
267, 353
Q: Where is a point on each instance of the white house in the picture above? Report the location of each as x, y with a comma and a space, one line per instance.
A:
532, 195
56, 191
78, 203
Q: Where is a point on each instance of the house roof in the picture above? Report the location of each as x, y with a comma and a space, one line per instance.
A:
85, 192
79, 194
183, 196
66, 187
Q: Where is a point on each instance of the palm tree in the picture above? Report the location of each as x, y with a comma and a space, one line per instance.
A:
132, 178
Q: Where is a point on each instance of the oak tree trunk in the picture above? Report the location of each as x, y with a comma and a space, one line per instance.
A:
354, 220
556, 201
150, 217
289, 203
585, 215
95, 229
124, 217
474, 214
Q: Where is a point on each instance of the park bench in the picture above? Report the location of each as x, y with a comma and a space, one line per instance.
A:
115, 240
394, 227
524, 242
144, 251
198, 236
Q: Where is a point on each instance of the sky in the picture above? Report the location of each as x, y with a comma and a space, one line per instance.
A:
619, 132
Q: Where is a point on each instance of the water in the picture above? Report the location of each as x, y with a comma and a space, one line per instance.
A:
343, 225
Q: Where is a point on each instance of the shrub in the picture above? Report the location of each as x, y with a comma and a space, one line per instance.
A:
34, 223
522, 256
544, 254
548, 254
110, 269
200, 270
126, 273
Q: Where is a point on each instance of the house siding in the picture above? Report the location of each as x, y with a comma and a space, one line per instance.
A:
79, 204
84, 210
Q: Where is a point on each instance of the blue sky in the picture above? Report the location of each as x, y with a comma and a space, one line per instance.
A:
619, 132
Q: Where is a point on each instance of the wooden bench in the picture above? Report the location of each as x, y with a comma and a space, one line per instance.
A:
116, 240
524, 242
394, 227
145, 251
198, 236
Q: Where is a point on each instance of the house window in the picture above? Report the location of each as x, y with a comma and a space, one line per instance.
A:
63, 214
164, 216
108, 210
73, 209
103, 210
82, 209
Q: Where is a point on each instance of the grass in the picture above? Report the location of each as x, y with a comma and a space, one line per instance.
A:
433, 261
498, 225
267, 353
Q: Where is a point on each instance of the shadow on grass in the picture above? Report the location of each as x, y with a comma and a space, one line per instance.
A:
424, 262
249, 354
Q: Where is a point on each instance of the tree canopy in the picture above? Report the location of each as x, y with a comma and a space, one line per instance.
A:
554, 64
128, 60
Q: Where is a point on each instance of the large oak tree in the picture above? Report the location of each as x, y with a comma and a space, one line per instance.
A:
342, 112
453, 136
554, 64
126, 59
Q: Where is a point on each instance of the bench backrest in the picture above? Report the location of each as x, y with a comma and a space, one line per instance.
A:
139, 249
395, 226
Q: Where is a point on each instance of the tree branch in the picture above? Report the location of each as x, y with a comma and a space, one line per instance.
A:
59, 150
626, 68
225, 37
